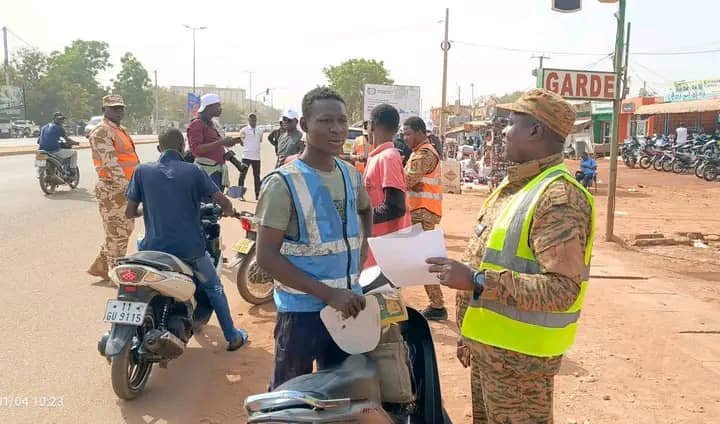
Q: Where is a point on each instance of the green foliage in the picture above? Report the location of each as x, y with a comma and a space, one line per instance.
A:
349, 79
510, 97
133, 83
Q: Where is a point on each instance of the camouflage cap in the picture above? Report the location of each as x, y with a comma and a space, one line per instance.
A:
112, 100
547, 107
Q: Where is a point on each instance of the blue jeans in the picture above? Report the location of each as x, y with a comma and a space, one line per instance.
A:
208, 281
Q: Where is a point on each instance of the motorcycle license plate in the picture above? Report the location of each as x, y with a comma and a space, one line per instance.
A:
123, 312
243, 246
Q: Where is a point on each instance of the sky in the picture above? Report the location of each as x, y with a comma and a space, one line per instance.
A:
287, 44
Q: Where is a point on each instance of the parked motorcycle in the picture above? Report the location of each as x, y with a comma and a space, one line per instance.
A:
54, 172
350, 392
630, 152
152, 317
711, 171
254, 284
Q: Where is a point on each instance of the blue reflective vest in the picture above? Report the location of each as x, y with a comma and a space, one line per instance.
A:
327, 249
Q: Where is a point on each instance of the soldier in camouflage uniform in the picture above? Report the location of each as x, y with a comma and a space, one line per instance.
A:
115, 159
509, 386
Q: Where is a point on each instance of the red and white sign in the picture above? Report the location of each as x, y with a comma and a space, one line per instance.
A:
586, 85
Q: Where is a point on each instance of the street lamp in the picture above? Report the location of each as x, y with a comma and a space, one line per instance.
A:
194, 29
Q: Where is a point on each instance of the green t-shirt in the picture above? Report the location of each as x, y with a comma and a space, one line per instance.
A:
275, 207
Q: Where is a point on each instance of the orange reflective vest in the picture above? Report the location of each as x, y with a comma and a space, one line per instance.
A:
125, 150
427, 193
359, 150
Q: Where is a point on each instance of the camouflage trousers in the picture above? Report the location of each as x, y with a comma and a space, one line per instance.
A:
434, 292
502, 395
111, 202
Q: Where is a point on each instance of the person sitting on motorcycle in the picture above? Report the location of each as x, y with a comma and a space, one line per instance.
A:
49, 140
170, 191
588, 170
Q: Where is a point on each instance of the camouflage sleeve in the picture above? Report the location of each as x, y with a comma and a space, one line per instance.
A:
558, 236
103, 149
420, 164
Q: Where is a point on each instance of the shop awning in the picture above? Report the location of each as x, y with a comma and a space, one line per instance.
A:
469, 126
580, 123
705, 105
456, 130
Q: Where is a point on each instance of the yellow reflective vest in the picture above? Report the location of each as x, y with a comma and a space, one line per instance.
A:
508, 248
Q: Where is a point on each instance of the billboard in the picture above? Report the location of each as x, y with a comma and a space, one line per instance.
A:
581, 85
12, 102
405, 98
193, 103
694, 90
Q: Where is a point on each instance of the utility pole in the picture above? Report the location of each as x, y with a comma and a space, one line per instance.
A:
472, 99
445, 46
612, 183
7, 57
157, 106
194, 29
250, 97
459, 101
539, 68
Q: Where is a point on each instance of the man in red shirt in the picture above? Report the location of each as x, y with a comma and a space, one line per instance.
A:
206, 142
384, 177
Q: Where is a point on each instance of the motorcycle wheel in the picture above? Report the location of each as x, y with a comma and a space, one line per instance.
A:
711, 173
645, 162
254, 285
678, 167
667, 165
45, 184
657, 164
76, 179
699, 169
128, 372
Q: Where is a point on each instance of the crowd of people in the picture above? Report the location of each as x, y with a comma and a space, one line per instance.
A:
521, 282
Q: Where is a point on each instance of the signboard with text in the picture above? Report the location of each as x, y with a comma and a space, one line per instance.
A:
694, 90
12, 103
405, 98
581, 85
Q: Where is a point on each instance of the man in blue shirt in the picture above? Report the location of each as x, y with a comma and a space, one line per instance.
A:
588, 170
170, 191
49, 140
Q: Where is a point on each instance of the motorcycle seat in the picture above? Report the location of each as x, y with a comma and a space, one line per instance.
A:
356, 378
160, 260
48, 153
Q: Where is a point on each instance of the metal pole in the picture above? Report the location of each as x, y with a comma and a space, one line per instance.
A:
7, 57
445, 47
627, 62
193, 32
612, 183
472, 99
538, 77
157, 106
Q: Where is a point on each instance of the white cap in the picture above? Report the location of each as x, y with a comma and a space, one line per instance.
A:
207, 100
291, 114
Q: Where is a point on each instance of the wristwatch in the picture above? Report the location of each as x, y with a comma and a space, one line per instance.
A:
478, 283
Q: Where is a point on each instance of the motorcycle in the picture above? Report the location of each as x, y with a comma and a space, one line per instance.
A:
254, 284
54, 172
629, 152
152, 318
350, 392
711, 171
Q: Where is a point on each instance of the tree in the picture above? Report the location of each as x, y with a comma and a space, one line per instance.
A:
510, 97
349, 79
31, 66
133, 83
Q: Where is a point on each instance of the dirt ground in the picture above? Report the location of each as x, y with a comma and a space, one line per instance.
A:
648, 348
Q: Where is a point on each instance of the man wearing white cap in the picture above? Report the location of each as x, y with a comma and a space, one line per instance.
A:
206, 142
289, 143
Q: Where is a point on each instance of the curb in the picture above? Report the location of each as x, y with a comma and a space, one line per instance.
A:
29, 150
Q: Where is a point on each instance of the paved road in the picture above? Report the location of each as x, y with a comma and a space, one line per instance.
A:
32, 141
51, 313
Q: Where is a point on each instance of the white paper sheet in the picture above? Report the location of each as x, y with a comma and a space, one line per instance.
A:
354, 335
401, 255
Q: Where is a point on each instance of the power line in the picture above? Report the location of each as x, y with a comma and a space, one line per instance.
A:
676, 53
665, 79
597, 62
21, 39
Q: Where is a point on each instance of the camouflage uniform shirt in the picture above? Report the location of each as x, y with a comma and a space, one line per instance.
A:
421, 163
101, 140
558, 234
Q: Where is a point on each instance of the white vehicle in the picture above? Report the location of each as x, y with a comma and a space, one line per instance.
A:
25, 128
91, 124
5, 128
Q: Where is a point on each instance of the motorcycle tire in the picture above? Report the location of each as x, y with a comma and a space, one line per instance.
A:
657, 164
127, 382
248, 271
645, 162
667, 165
678, 167
699, 169
711, 173
45, 185
76, 179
